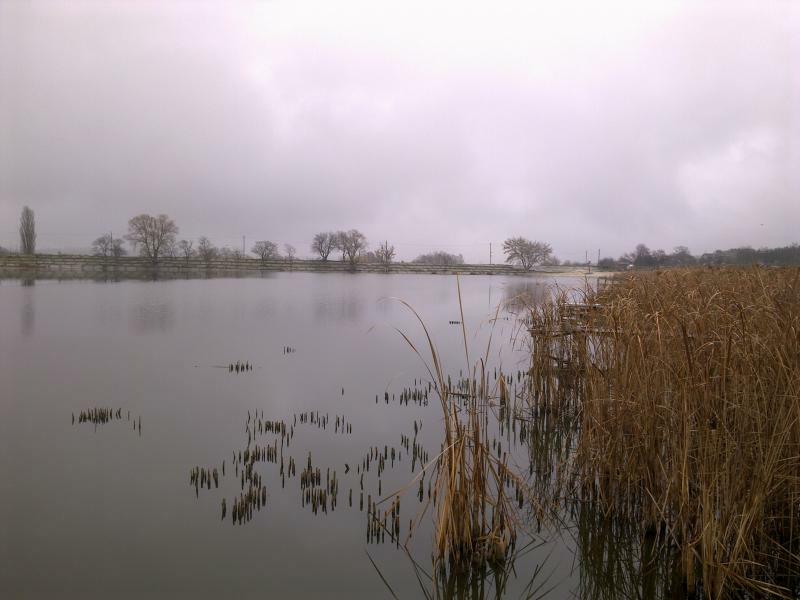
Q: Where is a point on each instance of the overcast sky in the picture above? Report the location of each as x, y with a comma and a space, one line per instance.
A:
429, 124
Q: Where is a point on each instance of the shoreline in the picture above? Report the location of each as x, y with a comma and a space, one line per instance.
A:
77, 265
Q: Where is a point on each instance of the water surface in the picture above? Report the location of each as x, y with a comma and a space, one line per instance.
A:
107, 511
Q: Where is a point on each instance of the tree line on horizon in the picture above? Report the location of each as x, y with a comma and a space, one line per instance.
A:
643, 257
155, 237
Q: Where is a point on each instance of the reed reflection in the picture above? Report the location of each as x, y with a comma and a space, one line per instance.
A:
349, 308
28, 314
151, 317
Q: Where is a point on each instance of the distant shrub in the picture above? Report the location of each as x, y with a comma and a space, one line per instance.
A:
439, 258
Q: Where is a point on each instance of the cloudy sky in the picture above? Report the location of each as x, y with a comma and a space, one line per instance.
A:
429, 124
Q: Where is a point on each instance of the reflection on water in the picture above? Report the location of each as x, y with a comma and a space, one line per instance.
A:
524, 293
28, 313
151, 317
349, 308
355, 483
620, 560
310, 453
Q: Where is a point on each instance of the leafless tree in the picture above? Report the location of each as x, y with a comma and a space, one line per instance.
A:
186, 248
107, 245
102, 245
117, 249
170, 249
265, 250
526, 253
385, 253
551, 261
323, 244
339, 243
439, 258
352, 243
290, 252
153, 236
27, 232
206, 250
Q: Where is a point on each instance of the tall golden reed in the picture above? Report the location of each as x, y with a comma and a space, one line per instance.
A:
688, 389
475, 522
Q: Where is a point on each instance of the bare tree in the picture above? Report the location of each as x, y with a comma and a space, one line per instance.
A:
185, 247
290, 252
526, 253
206, 250
681, 256
641, 256
607, 263
102, 245
385, 253
339, 243
107, 245
153, 236
352, 243
265, 250
117, 249
370, 257
439, 258
27, 232
170, 249
551, 261
323, 244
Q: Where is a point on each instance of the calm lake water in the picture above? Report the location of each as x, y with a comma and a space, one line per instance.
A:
107, 510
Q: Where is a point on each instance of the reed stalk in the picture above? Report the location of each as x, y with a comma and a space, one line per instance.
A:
474, 515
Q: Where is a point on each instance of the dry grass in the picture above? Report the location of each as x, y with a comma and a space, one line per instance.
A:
474, 511
687, 386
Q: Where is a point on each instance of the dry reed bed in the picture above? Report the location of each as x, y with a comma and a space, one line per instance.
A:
687, 386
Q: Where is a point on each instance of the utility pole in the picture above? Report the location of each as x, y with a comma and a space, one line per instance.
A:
242, 246
490, 252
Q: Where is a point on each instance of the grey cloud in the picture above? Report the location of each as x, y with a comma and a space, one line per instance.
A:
679, 128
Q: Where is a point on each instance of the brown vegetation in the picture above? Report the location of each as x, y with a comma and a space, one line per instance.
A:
474, 515
687, 387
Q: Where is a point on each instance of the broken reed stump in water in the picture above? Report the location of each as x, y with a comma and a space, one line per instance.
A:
102, 416
240, 367
318, 493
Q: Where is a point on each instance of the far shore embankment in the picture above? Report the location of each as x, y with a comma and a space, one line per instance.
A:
78, 265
